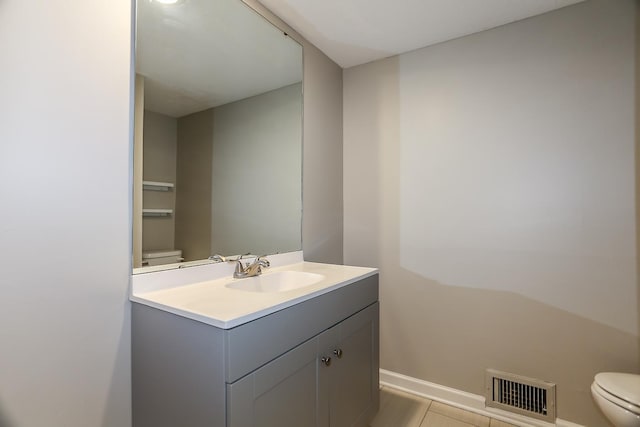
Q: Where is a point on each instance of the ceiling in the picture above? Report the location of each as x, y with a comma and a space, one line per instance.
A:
199, 54
353, 32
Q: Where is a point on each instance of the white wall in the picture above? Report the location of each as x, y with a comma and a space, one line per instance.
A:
65, 213
492, 180
517, 165
65, 217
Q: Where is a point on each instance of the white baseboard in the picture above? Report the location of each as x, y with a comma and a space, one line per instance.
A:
461, 399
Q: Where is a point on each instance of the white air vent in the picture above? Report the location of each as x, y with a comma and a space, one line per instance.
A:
521, 395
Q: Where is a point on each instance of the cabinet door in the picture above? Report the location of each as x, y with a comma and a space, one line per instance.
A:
283, 392
354, 386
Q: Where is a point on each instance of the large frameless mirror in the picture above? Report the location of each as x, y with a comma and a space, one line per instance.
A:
218, 134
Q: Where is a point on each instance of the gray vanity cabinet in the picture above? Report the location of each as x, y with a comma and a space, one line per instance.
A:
330, 380
273, 371
354, 370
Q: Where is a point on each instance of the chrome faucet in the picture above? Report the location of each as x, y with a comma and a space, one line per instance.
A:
250, 269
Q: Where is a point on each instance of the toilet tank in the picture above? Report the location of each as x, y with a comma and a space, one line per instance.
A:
168, 256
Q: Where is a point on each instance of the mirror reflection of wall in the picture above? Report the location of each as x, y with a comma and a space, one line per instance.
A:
232, 167
221, 159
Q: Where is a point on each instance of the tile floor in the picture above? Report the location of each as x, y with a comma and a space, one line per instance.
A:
400, 409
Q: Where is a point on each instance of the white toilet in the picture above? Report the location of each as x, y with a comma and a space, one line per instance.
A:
618, 396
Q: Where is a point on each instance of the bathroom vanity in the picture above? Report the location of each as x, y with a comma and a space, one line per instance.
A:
294, 347
222, 353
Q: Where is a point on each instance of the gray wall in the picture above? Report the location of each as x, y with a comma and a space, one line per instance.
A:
322, 185
64, 322
65, 233
491, 178
322, 212
256, 180
193, 187
160, 139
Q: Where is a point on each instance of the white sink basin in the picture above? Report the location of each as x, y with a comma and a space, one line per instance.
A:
278, 281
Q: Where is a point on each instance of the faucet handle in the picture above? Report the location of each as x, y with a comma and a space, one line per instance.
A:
237, 258
238, 261
263, 261
242, 256
217, 258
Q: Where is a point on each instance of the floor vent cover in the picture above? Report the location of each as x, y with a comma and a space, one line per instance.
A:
521, 395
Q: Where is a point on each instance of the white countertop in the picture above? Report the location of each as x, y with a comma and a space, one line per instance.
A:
212, 302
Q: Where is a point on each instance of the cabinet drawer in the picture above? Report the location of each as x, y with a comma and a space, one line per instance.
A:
256, 343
